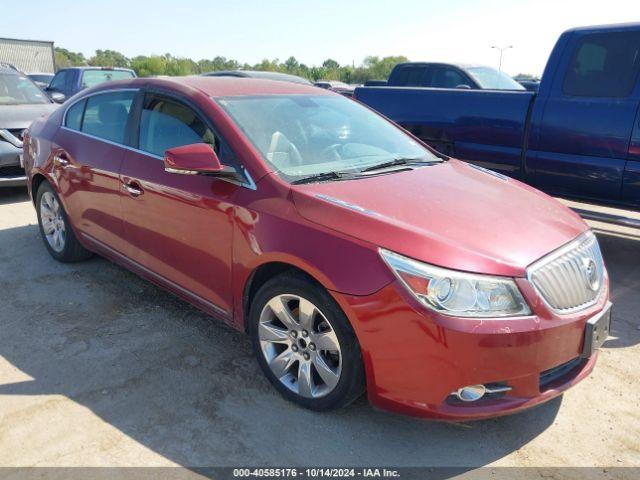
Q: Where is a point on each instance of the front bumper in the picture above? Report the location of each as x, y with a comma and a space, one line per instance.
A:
415, 358
11, 168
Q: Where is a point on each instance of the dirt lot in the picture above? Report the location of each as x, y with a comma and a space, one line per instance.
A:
98, 367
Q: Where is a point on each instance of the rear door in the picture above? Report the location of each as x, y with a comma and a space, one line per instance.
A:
89, 152
179, 227
588, 117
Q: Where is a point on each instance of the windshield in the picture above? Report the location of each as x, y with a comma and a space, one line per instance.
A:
44, 77
91, 78
492, 79
17, 89
302, 135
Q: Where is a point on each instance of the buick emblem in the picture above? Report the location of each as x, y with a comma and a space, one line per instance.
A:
590, 270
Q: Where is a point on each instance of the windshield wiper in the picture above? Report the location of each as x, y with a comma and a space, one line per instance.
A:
399, 161
320, 177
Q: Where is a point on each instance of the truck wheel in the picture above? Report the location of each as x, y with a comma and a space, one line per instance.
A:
304, 343
55, 229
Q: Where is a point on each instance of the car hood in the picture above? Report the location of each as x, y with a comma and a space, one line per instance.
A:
451, 214
21, 116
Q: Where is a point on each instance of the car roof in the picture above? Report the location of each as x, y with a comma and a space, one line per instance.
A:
96, 68
218, 86
462, 66
258, 74
606, 28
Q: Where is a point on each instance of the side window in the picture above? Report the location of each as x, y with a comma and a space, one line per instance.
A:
410, 76
74, 115
106, 115
59, 80
166, 123
604, 65
449, 78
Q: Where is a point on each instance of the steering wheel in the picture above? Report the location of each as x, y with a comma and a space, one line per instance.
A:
295, 156
333, 150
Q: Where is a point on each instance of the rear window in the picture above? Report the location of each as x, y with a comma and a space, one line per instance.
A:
91, 78
604, 65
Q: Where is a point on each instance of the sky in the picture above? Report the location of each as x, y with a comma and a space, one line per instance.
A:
312, 31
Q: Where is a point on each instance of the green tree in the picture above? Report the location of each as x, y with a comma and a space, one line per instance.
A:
380, 68
180, 66
372, 67
330, 64
526, 76
65, 58
109, 58
291, 65
148, 66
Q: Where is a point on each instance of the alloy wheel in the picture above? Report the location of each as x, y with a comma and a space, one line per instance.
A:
300, 345
52, 220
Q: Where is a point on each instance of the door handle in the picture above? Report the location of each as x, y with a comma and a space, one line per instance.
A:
61, 159
134, 188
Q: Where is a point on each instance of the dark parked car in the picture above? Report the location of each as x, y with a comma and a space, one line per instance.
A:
353, 255
336, 86
280, 77
450, 75
41, 79
531, 85
578, 137
69, 81
21, 102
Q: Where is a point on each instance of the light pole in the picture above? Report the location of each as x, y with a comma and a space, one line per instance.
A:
501, 50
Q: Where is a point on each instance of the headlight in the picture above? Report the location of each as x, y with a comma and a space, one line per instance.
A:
455, 293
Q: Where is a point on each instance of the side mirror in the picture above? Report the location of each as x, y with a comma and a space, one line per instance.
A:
195, 159
57, 97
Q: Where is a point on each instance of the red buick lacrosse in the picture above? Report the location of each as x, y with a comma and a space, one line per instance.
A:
356, 257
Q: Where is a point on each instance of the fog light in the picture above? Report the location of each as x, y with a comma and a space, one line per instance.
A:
471, 393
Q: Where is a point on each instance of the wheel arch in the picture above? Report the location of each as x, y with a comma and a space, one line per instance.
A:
261, 274
36, 181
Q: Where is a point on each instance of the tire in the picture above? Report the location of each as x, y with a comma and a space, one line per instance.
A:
62, 244
336, 376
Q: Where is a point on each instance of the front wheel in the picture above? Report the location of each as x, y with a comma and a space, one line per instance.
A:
55, 229
305, 344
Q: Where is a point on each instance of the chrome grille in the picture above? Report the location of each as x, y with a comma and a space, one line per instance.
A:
570, 278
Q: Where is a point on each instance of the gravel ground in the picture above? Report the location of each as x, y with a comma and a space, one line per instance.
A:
99, 367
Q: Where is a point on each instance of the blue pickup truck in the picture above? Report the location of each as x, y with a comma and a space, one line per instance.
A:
577, 137
69, 81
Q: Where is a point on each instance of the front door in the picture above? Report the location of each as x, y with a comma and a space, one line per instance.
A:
588, 118
179, 227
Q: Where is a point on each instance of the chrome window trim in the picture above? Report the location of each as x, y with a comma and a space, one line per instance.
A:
554, 255
89, 95
122, 145
249, 183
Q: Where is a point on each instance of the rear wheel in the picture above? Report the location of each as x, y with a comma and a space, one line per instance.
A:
305, 344
55, 229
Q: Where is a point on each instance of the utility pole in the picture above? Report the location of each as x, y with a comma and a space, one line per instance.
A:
501, 50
